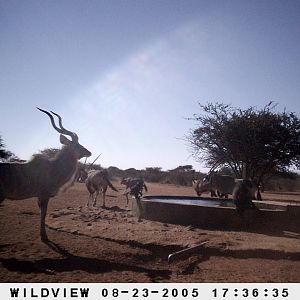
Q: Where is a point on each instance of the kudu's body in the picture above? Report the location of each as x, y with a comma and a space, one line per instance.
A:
98, 181
42, 177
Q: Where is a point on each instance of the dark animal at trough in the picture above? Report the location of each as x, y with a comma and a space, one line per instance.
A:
242, 196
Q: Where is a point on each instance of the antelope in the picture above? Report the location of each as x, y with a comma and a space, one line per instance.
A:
135, 186
81, 175
98, 181
82, 171
196, 186
42, 177
223, 185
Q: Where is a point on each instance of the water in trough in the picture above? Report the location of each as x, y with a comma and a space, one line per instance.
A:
192, 201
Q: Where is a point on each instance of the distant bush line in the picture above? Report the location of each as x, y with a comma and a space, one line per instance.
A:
184, 175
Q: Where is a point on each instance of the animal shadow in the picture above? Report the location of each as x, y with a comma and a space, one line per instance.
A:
70, 262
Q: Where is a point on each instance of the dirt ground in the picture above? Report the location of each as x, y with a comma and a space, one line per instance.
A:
110, 245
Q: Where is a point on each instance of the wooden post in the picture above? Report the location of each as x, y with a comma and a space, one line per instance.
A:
185, 252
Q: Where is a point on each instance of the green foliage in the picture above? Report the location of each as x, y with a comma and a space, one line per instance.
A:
182, 175
3, 152
6, 155
153, 174
253, 143
49, 152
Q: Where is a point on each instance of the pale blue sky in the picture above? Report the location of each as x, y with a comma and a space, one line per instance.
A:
125, 75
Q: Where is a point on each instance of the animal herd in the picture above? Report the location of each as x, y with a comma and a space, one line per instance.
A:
97, 181
43, 177
243, 191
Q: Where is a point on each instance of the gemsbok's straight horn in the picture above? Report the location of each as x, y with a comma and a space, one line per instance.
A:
96, 159
42, 177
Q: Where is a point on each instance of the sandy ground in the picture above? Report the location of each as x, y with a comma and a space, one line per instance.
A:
110, 245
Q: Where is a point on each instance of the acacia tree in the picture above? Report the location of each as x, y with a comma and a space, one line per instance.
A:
48, 152
253, 143
3, 152
6, 155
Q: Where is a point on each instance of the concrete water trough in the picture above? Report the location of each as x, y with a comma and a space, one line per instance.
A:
219, 213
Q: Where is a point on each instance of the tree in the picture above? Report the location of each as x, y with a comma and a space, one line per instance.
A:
182, 175
253, 143
49, 152
183, 169
6, 155
3, 152
153, 174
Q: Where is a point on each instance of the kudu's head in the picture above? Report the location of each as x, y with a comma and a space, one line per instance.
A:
73, 144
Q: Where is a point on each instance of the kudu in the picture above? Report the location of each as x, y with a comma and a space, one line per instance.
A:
42, 177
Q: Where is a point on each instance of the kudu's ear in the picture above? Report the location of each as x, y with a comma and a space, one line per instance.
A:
64, 140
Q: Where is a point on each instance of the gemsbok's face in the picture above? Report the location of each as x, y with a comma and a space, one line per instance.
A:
204, 186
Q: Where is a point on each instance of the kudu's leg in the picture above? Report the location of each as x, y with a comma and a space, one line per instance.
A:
95, 198
88, 200
43, 205
104, 189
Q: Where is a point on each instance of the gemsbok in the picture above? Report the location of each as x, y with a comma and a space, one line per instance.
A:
43, 177
97, 180
223, 185
82, 171
196, 186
